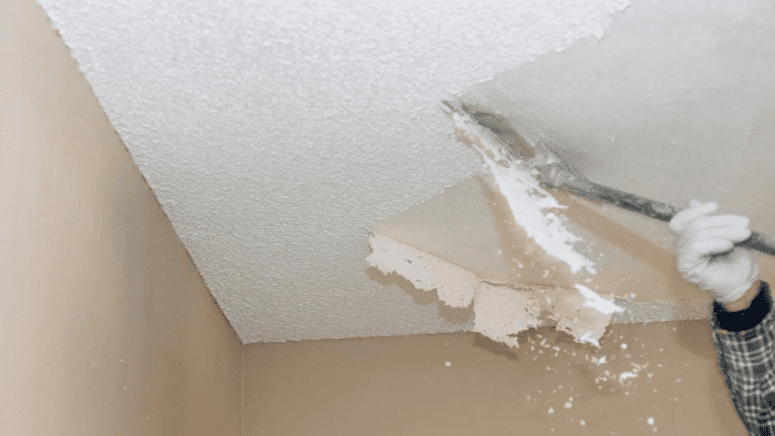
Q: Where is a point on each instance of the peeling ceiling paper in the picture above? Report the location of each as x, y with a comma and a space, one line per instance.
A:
500, 310
454, 284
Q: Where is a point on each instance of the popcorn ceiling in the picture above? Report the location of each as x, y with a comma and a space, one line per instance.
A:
274, 133
7, 124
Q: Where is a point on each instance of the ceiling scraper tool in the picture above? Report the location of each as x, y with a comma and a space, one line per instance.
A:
557, 173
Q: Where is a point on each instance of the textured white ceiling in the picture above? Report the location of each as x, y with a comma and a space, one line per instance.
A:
274, 133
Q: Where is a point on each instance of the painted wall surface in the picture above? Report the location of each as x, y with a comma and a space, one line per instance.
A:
666, 380
107, 327
275, 133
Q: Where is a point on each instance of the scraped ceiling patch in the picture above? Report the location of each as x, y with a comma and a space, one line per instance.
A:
500, 310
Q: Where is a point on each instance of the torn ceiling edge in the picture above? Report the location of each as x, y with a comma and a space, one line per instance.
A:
502, 310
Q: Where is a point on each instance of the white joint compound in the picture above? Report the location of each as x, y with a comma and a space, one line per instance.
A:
530, 204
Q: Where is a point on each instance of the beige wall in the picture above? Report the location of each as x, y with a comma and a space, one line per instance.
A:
106, 326
462, 383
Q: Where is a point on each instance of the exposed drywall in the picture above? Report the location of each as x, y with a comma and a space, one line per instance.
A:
107, 327
665, 106
274, 133
519, 279
455, 286
471, 225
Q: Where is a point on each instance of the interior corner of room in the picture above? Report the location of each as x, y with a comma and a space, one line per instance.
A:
256, 217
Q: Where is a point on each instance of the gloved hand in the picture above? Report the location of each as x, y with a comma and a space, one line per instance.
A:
704, 251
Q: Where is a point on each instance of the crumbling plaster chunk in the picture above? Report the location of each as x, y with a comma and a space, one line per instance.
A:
501, 310
455, 285
578, 318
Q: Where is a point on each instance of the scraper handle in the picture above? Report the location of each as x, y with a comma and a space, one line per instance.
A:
558, 178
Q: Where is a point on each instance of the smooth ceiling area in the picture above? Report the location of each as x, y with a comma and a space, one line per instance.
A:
275, 133
675, 102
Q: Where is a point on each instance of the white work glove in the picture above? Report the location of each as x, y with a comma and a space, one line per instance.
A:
704, 251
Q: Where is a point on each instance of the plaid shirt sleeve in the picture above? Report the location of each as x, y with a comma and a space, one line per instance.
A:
745, 342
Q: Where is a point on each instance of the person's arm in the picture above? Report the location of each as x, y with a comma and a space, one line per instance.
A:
746, 313
741, 319
745, 301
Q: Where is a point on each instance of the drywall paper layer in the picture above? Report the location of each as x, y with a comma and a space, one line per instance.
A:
501, 313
